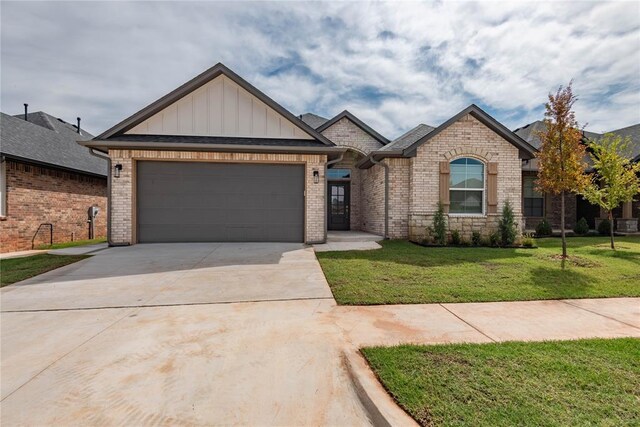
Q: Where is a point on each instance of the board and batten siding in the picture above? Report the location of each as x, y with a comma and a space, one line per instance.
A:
220, 108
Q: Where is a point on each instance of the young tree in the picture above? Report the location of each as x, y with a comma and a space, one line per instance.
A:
615, 180
561, 162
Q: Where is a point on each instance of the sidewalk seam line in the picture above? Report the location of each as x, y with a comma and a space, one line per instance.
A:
474, 327
599, 314
127, 314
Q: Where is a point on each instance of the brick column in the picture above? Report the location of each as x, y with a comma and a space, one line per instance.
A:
627, 224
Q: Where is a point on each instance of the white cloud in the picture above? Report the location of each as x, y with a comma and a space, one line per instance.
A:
104, 61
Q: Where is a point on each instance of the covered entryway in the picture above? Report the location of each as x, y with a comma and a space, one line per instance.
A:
219, 202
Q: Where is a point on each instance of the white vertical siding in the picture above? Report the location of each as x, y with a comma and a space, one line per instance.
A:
220, 108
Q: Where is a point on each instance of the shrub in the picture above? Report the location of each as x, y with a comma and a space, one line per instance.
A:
494, 238
507, 226
476, 239
581, 227
465, 242
604, 227
543, 228
440, 226
527, 241
455, 237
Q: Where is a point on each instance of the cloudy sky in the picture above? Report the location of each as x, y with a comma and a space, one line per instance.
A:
394, 65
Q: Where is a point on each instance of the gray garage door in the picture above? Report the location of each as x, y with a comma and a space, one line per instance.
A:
220, 202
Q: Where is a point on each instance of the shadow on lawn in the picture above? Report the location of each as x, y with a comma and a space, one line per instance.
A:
561, 283
403, 252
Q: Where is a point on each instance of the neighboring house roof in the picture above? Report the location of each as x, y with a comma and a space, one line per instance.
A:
531, 131
46, 140
313, 120
526, 150
362, 125
192, 85
408, 138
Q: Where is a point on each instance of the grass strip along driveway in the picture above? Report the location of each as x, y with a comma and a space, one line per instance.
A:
14, 270
572, 383
405, 273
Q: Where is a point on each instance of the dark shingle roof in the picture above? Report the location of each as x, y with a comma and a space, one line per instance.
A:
313, 120
47, 140
530, 134
408, 138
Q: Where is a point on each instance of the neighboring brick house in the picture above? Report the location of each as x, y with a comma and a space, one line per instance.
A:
218, 160
47, 178
538, 205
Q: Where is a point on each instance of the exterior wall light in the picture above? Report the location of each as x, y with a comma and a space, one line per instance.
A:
117, 168
316, 176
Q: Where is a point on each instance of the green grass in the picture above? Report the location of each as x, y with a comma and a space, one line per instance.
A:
16, 269
404, 273
72, 244
563, 383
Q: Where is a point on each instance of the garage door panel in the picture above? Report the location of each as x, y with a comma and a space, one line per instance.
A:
182, 202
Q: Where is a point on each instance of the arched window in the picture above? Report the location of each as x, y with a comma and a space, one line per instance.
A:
466, 186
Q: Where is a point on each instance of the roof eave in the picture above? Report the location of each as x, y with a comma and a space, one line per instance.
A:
362, 125
52, 165
103, 145
367, 161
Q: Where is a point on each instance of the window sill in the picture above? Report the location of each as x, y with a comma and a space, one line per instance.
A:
468, 215
3, 218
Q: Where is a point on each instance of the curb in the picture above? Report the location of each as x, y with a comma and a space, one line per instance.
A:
381, 408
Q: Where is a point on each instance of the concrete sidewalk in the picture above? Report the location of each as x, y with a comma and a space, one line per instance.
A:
489, 321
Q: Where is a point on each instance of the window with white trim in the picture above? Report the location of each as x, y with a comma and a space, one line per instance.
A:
466, 186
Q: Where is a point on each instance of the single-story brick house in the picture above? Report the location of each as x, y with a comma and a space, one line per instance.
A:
218, 160
537, 205
47, 182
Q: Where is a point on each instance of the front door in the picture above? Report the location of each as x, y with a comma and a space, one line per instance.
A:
339, 202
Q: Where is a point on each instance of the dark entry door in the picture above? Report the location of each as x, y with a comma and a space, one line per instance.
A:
587, 211
220, 202
339, 201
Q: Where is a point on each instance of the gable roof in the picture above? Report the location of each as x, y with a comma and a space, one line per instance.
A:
313, 120
192, 85
408, 138
362, 125
48, 141
530, 134
525, 149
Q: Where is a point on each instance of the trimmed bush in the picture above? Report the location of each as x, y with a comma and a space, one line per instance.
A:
604, 227
476, 238
543, 228
581, 227
527, 241
494, 238
440, 226
507, 226
455, 237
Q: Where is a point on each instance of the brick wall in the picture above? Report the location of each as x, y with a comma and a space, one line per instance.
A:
38, 195
373, 196
466, 138
123, 188
345, 133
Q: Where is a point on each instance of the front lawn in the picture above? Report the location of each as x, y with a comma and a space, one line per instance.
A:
74, 243
14, 270
404, 273
563, 383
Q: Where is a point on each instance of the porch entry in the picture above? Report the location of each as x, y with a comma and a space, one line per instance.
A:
339, 205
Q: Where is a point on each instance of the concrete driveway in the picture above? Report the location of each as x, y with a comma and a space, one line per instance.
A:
146, 335
232, 334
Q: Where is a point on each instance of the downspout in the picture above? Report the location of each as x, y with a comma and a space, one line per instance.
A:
386, 194
326, 166
108, 159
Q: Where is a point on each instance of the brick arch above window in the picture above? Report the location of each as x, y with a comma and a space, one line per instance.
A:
477, 153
